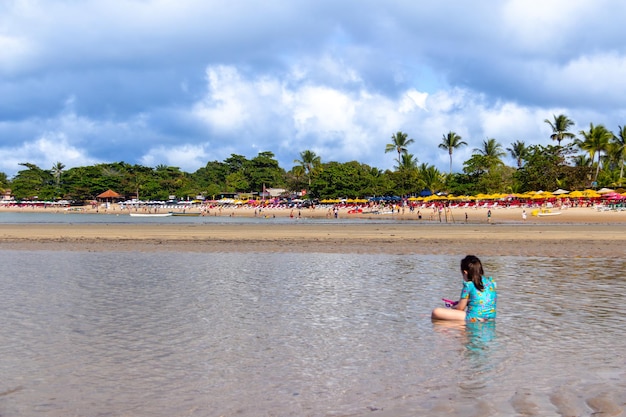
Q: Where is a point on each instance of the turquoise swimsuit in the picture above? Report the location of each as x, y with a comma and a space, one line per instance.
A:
481, 304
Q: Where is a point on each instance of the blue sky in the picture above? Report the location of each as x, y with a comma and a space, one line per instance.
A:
185, 82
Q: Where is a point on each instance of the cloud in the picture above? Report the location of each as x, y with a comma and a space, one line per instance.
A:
45, 151
186, 157
160, 82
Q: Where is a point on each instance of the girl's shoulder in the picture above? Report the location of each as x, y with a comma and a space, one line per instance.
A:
487, 281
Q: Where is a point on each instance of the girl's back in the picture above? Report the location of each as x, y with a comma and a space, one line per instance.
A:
481, 304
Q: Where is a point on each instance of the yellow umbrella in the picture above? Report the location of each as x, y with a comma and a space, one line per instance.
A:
434, 197
542, 194
576, 194
591, 193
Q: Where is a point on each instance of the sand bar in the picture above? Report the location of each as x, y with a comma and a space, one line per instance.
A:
560, 240
574, 232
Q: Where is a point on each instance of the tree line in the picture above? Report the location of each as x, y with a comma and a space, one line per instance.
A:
592, 158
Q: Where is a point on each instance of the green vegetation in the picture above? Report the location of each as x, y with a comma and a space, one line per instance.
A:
593, 159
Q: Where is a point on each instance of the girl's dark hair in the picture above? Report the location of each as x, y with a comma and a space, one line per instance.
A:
474, 269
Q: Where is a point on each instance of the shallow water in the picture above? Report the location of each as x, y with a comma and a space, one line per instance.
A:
223, 334
54, 217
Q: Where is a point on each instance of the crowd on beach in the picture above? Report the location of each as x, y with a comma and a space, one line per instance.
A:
434, 210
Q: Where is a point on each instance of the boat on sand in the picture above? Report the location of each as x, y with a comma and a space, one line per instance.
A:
545, 213
150, 214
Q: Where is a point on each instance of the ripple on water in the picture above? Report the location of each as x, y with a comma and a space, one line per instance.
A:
304, 334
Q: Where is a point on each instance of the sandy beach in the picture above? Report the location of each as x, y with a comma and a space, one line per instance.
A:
575, 232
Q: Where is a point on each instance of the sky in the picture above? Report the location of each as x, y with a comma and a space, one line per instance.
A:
185, 82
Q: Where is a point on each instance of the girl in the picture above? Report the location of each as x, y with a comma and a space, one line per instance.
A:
478, 295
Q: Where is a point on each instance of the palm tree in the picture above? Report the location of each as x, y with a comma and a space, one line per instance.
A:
399, 143
518, 152
407, 168
619, 143
310, 162
407, 162
430, 176
581, 160
596, 141
57, 170
450, 142
559, 128
492, 151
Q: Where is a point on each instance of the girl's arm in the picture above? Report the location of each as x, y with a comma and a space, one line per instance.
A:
461, 304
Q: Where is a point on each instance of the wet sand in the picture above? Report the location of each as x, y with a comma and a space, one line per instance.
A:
487, 239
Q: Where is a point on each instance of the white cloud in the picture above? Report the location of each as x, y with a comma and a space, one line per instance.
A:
45, 151
412, 99
187, 157
593, 77
543, 25
225, 105
14, 52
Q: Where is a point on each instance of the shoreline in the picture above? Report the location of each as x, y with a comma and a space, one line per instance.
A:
575, 232
592, 214
553, 240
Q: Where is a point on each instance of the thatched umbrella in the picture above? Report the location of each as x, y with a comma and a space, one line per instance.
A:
108, 195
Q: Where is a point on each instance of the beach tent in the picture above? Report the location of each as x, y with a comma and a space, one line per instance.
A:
108, 195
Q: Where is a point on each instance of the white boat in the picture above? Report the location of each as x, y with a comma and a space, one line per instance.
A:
548, 213
150, 214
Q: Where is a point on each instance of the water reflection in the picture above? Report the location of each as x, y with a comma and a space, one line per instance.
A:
476, 355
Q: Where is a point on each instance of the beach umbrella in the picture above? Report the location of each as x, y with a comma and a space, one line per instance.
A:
576, 194
560, 191
590, 193
434, 197
605, 191
541, 195
612, 196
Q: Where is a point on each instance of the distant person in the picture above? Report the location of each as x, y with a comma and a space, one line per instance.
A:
488, 216
478, 296
524, 215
